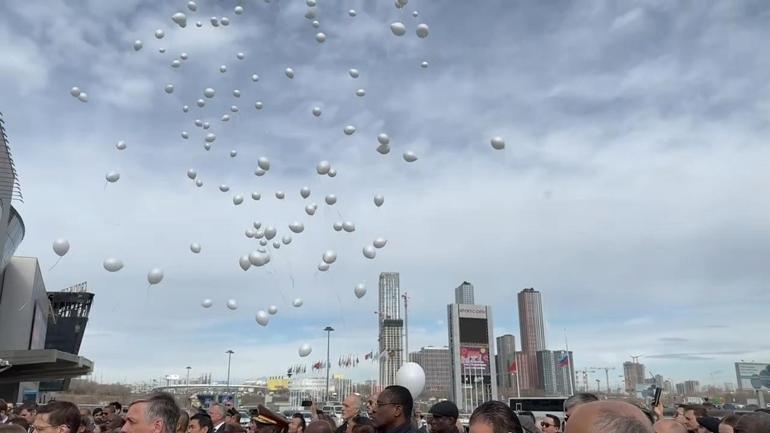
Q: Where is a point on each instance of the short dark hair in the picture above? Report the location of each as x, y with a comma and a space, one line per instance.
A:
556, 420
697, 409
162, 406
19, 421
204, 421
62, 413
319, 426
361, 420
363, 428
579, 398
3, 405
614, 422
731, 419
498, 415
116, 405
403, 397
11, 428
753, 422
301, 418
96, 411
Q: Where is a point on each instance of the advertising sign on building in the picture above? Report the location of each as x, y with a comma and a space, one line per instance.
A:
474, 358
746, 371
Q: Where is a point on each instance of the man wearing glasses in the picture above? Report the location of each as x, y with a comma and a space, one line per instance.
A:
442, 417
57, 417
550, 424
393, 412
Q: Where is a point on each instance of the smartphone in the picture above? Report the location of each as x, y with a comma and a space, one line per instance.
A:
656, 399
306, 403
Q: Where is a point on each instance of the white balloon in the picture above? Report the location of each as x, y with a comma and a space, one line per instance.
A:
258, 105
223, 68
198, 123
112, 264
409, 156
263, 242
297, 227
320, 37
280, 195
112, 176
161, 50
270, 232
258, 259
379, 242
183, 56
316, 111
250, 233
332, 172
398, 28
256, 225
289, 73
225, 117
207, 303
360, 92
195, 247
359, 290
214, 21
244, 262
159, 34
348, 226
329, 257
209, 92
206, 126
316, 24
337, 226
259, 172
237, 199
497, 143
401, 3
263, 163
169, 88
238, 10
330, 199
422, 31
200, 103
185, 108
176, 63
254, 77
180, 19
352, 12
185, 135
240, 56
237, 93
349, 130
412, 377
286, 239
232, 304
198, 183
297, 302
83, 97
272, 310
383, 138
323, 167
210, 137
311, 208
121, 145
259, 234
369, 252
424, 64
224, 188
353, 73
415, 14
379, 200
192, 6
75, 91
310, 3
225, 21
61, 247
192, 173
304, 350
155, 276
384, 149
323, 267
304, 192
310, 14
138, 45
256, 196
262, 318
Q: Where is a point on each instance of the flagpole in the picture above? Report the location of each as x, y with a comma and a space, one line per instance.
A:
518, 390
569, 363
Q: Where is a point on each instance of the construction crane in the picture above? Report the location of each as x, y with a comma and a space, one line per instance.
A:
606, 374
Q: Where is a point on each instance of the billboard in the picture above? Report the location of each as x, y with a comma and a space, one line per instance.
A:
745, 371
475, 358
474, 331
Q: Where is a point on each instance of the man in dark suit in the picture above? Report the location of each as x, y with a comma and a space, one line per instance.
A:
217, 413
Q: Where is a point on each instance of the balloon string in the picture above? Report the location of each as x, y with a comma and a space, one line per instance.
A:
57, 262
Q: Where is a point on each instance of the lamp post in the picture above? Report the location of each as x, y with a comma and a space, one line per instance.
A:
328, 330
187, 384
229, 355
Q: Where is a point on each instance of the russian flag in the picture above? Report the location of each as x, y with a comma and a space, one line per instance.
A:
564, 361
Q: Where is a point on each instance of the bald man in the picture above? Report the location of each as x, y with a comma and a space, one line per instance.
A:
608, 416
669, 426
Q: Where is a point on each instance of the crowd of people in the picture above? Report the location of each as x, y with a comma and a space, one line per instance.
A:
390, 411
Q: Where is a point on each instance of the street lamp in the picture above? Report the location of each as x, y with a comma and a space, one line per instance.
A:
229, 355
328, 330
187, 385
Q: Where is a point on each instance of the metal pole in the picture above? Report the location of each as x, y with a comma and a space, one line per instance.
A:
229, 355
607, 374
328, 330
187, 385
406, 327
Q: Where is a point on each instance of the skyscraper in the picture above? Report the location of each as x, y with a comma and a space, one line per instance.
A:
506, 355
633, 374
464, 293
391, 328
532, 334
435, 363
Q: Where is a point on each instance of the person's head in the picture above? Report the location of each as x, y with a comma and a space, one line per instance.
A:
691, 415
610, 416
57, 417
319, 426
576, 400
363, 428
118, 407
297, 423
200, 423
183, 422
28, 411
494, 417
728, 423
217, 413
668, 426
21, 422
708, 424
351, 406
755, 422
11, 428
394, 407
371, 403
442, 417
157, 414
3, 408
679, 416
86, 423
550, 424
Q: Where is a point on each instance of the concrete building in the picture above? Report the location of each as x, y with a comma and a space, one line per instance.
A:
532, 330
633, 375
523, 363
506, 355
472, 362
391, 327
464, 294
691, 387
679, 388
435, 362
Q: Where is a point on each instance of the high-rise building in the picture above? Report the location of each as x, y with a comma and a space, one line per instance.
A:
464, 294
546, 371
391, 328
435, 363
564, 372
472, 363
506, 355
532, 332
691, 387
523, 376
679, 388
633, 375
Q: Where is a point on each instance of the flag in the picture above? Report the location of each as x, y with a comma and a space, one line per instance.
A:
564, 361
368, 356
512, 368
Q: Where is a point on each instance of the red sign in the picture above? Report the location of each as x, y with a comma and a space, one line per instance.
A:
474, 357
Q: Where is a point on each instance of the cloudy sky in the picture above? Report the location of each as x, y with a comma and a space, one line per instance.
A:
631, 192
